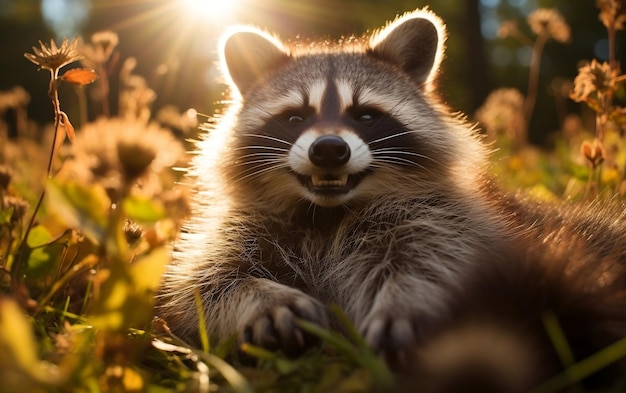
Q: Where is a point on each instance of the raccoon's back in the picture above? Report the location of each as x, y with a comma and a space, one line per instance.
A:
565, 273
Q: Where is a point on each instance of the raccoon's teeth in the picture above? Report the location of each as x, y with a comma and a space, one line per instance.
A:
322, 181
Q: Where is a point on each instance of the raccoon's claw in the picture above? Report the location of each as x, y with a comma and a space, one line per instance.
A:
275, 329
396, 337
390, 336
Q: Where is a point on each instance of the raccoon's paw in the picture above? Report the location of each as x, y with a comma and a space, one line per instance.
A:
394, 335
386, 334
274, 328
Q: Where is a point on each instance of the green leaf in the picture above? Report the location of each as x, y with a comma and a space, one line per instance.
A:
40, 259
44, 256
38, 237
79, 206
5, 215
143, 209
126, 297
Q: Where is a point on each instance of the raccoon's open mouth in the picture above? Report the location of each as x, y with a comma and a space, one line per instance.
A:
330, 184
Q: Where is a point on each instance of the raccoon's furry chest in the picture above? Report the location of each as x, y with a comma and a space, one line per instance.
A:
338, 177
435, 236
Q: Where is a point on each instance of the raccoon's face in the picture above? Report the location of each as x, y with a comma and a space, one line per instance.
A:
334, 126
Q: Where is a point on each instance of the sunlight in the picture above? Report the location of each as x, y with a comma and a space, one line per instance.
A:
213, 9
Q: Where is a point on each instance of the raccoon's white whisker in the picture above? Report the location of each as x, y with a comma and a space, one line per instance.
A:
277, 156
258, 171
393, 150
264, 154
392, 136
260, 164
398, 160
271, 138
258, 160
262, 148
386, 151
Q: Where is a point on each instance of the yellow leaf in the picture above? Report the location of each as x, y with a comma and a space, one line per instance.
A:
146, 272
80, 76
16, 337
21, 370
69, 128
132, 380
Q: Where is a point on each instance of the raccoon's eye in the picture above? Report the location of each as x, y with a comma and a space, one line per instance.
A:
366, 115
295, 119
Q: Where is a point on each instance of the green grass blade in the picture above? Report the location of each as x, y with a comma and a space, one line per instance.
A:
204, 335
584, 368
558, 339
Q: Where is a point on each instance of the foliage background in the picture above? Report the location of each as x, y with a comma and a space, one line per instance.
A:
78, 278
166, 39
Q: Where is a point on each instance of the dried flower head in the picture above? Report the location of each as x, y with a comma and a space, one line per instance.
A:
107, 40
508, 28
124, 149
184, 122
52, 57
15, 98
6, 174
135, 158
593, 153
103, 43
17, 205
136, 98
503, 113
593, 77
132, 231
612, 13
549, 22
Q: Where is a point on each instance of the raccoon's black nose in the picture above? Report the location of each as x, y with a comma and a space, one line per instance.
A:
329, 151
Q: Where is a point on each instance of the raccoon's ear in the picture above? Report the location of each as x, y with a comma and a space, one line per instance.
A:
413, 42
250, 54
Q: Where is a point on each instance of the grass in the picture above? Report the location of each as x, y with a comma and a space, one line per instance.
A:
83, 242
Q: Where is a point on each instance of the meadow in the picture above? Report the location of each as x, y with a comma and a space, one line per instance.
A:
88, 216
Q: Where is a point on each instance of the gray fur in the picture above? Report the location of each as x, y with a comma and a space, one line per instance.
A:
260, 254
415, 221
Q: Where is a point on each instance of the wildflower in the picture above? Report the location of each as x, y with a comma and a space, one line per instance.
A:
17, 205
107, 40
508, 28
502, 112
5, 177
12, 99
594, 153
612, 13
593, 77
184, 122
136, 98
135, 158
132, 231
118, 151
101, 48
52, 57
548, 22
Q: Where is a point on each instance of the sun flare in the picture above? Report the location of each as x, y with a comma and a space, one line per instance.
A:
211, 9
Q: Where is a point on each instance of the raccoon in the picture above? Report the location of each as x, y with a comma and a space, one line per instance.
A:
337, 176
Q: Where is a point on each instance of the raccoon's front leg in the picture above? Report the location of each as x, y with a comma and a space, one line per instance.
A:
263, 313
404, 309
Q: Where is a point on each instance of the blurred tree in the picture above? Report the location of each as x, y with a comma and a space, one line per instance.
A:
177, 55
22, 26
